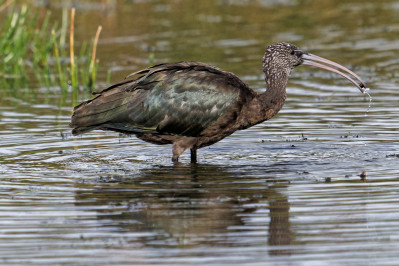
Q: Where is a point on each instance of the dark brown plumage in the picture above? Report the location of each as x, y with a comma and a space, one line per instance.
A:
192, 105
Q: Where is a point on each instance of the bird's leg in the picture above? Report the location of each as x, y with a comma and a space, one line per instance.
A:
175, 158
193, 155
182, 144
177, 150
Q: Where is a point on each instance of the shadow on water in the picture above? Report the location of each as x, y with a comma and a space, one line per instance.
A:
195, 205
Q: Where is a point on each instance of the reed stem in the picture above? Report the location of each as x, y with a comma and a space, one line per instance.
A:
72, 58
59, 67
6, 4
93, 62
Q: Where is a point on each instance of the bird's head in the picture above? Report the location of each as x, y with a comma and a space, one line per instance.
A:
281, 58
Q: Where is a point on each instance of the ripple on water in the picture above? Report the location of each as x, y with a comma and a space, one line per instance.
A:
287, 191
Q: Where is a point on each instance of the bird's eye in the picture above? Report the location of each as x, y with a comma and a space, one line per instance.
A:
292, 52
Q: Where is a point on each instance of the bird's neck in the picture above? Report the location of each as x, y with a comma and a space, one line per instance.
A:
276, 77
272, 100
265, 105
276, 83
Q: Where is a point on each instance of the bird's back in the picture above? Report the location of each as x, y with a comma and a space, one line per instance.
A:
175, 99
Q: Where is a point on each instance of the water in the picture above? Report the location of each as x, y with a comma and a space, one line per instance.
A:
285, 192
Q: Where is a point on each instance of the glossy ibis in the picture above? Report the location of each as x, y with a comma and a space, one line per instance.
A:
192, 105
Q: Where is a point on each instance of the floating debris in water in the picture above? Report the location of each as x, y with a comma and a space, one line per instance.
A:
363, 176
392, 155
349, 135
263, 141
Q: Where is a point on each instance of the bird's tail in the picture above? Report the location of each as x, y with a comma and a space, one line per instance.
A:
108, 107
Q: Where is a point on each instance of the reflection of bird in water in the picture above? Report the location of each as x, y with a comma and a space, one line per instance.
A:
203, 206
192, 105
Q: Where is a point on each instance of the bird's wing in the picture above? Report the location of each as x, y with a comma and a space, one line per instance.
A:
178, 98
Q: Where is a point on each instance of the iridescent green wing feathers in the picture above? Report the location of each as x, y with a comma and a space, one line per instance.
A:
179, 99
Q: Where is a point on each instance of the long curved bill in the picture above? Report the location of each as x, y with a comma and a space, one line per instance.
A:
317, 61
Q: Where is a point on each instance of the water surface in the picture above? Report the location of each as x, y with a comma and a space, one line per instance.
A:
286, 192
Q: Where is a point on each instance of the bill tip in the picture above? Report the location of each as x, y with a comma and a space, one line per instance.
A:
363, 88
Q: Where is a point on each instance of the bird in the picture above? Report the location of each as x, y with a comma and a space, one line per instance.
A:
192, 105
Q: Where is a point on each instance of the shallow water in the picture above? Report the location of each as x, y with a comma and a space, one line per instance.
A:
286, 192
